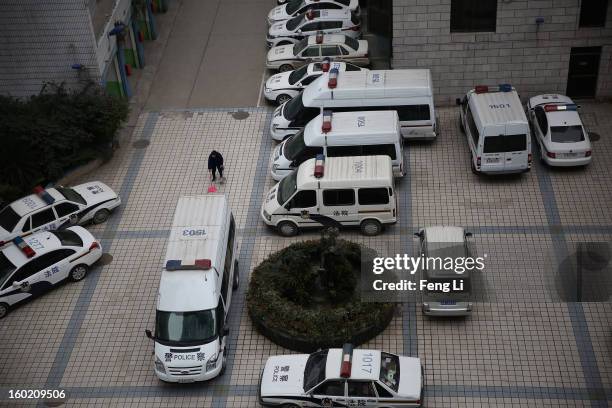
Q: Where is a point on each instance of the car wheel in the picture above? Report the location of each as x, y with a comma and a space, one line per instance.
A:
282, 98
287, 229
78, 273
236, 282
472, 166
100, 216
461, 125
4, 309
285, 68
371, 227
223, 362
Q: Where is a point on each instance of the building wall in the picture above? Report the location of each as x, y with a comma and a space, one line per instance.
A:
534, 60
41, 40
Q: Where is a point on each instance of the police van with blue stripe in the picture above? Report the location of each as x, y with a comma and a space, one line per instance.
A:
342, 378
56, 208
195, 291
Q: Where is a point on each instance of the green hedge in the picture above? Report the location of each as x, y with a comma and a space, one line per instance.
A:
281, 304
46, 134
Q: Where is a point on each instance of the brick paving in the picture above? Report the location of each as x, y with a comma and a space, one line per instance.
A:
522, 345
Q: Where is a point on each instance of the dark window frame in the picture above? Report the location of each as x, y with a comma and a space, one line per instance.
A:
593, 13
332, 196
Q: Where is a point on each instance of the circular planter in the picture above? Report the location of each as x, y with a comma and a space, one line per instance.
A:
307, 326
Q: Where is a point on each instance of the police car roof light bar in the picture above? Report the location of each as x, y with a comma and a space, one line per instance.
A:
505, 87
325, 64
199, 264
319, 165
44, 195
347, 359
25, 248
333, 78
326, 127
553, 108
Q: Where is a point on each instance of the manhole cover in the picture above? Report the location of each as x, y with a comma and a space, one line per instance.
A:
594, 136
239, 114
140, 144
54, 402
105, 259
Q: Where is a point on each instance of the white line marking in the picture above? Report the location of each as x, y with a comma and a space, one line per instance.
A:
261, 85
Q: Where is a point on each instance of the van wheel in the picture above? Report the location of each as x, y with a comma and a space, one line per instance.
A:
285, 68
100, 216
287, 229
473, 167
236, 282
223, 363
282, 98
371, 227
4, 309
461, 125
78, 273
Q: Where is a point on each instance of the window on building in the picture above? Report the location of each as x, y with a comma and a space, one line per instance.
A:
473, 15
593, 13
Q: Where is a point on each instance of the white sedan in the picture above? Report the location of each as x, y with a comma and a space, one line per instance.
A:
285, 85
560, 134
311, 23
316, 48
342, 378
295, 7
30, 266
56, 208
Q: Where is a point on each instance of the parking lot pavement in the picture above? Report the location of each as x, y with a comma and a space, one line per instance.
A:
522, 345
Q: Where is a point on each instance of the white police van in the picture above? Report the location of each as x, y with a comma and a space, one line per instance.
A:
194, 297
32, 265
335, 191
342, 378
283, 86
56, 208
342, 134
496, 130
407, 91
287, 11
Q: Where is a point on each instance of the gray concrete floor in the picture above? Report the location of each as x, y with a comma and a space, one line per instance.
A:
214, 54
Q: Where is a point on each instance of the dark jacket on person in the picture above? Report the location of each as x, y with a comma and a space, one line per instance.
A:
215, 160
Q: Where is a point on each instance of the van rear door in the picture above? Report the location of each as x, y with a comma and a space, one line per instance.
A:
506, 152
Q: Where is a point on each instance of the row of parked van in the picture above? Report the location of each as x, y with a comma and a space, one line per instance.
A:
353, 124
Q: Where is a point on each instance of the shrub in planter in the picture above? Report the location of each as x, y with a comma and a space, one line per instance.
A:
306, 297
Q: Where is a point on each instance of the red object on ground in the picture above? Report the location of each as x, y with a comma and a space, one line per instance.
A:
212, 188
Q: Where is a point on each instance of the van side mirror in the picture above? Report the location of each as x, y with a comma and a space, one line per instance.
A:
419, 234
16, 285
469, 234
288, 206
74, 219
149, 334
225, 331
458, 101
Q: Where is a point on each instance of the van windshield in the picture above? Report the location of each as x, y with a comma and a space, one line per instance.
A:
314, 372
185, 328
505, 143
6, 268
286, 188
293, 107
293, 6
294, 146
295, 22
566, 134
297, 48
297, 74
389, 370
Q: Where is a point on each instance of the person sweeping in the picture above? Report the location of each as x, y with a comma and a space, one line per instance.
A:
215, 163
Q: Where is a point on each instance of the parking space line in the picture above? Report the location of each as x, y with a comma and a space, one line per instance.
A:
584, 345
71, 334
261, 86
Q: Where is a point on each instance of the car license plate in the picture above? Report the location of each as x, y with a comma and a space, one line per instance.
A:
493, 160
570, 155
448, 302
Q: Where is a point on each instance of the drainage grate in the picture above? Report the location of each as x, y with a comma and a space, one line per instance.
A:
239, 115
106, 259
140, 144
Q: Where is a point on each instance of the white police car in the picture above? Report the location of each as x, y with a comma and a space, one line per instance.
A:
311, 23
30, 266
559, 131
295, 7
56, 208
317, 47
286, 85
342, 378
